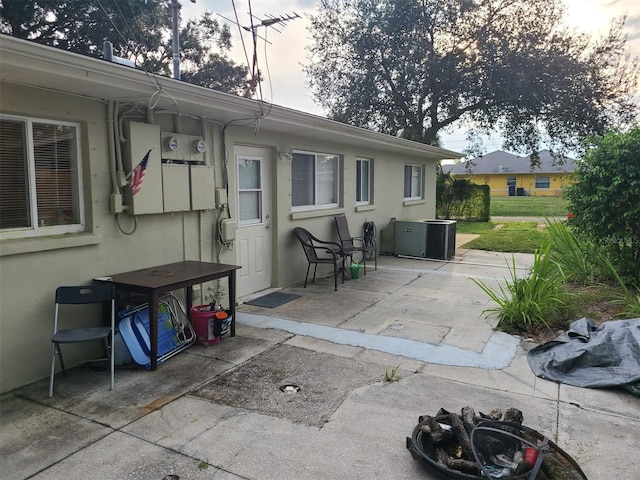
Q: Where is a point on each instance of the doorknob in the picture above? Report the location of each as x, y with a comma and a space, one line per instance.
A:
267, 226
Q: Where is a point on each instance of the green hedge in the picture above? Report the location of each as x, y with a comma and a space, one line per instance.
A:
461, 199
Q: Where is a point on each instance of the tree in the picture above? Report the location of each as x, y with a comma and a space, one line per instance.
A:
139, 30
415, 68
605, 199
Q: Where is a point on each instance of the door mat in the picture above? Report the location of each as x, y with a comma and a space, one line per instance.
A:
272, 300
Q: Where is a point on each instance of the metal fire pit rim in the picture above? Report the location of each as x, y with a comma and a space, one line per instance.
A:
413, 444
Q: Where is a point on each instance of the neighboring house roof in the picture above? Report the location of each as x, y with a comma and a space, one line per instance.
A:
32, 64
503, 162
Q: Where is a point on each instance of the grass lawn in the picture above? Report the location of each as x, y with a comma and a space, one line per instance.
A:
529, 207
512, 237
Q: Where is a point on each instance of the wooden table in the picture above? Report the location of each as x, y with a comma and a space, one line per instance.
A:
155, 281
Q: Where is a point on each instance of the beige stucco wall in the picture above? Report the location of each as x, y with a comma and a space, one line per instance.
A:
30, 270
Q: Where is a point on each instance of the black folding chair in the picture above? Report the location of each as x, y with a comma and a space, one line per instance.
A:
82, 295
330, 253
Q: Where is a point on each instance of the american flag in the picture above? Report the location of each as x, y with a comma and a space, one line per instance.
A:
137, 175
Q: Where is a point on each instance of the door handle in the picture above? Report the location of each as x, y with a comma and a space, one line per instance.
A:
267, 226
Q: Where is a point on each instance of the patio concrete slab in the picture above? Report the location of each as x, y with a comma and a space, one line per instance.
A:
320, 305
125, 457
170, 423
30, 429
596, 454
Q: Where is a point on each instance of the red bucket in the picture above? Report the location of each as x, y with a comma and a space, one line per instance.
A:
209, 325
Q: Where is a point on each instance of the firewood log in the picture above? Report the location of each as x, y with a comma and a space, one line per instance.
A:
513, 415
495, 414
468, 418
435, 434
462, 465
461, 434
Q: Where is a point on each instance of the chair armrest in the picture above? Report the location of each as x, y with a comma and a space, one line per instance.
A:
324, 247
324, 242
358, 239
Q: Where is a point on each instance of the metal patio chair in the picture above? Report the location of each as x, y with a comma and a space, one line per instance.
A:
330, 253
82, 295
352, 245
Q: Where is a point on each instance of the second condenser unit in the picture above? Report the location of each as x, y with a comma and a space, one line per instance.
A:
425, 238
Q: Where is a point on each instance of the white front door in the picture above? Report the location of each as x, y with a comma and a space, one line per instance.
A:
253, 237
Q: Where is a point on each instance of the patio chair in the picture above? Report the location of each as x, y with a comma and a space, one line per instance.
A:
366, 246
330, 253
82, 295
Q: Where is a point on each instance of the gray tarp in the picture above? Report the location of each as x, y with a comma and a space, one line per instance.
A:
592, 356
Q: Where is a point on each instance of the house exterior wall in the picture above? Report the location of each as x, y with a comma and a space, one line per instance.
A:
31, 269
498, 183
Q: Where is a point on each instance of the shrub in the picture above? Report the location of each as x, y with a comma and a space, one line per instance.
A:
605, 199
461, 198
523, 303
582, 261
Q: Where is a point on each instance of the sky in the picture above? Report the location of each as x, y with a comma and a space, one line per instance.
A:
282, 59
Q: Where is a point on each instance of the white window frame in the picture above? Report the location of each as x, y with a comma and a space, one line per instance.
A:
547, 182
363, 164
35, 230
336, 182
416, 170
259, 190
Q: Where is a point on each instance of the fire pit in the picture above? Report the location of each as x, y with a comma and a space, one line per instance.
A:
467, 446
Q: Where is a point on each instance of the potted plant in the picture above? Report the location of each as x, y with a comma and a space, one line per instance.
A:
355, 269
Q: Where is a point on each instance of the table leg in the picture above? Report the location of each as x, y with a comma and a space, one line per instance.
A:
188, 300
153, 328
232, 301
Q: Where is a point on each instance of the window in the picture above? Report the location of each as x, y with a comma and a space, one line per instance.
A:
543, 182
363, 181
314, 180
412, 182
40, 178
511, 181
249, 190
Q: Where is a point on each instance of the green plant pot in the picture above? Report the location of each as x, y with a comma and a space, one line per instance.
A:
355, 270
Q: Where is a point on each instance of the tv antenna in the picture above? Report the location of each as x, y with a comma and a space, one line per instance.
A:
270, 21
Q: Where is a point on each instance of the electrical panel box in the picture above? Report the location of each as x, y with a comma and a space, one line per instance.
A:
175, 188
228, 230
221, 196
143, 137
202, 187
183, 148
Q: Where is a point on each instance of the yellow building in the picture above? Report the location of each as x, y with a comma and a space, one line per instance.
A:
511, 175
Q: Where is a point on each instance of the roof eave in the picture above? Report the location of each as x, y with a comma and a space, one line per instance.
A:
36, 65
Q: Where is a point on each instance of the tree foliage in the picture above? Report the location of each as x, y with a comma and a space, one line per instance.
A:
605, 199
460, 198
139, 30
415, 68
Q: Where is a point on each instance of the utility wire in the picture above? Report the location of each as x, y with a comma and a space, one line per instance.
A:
244, 47
150, 76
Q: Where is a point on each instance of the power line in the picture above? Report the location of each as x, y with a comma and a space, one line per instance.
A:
252, 65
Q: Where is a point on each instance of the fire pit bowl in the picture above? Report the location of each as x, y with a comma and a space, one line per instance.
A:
494, 445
